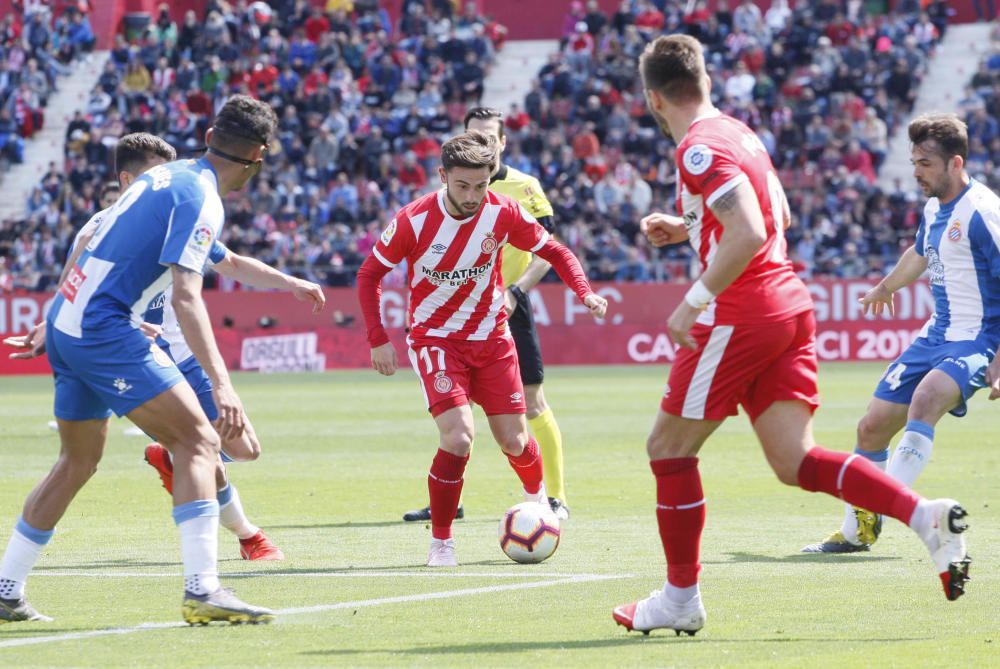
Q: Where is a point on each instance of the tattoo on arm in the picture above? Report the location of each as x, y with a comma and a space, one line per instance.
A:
725, 203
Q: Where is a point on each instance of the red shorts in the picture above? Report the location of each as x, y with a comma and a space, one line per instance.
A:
749, 365
453, 372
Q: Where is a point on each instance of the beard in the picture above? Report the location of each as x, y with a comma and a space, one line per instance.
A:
463, 209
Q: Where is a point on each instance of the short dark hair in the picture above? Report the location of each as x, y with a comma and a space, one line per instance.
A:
243, 124
134, 152
673, 66
472, 149
948, 132
484, 114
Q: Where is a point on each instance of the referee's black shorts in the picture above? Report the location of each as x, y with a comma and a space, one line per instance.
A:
529, 349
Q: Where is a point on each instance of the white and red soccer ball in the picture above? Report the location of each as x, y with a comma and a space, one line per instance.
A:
529, 532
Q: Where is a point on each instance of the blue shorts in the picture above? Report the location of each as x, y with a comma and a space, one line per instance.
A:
118, 371
198, 379
964, 361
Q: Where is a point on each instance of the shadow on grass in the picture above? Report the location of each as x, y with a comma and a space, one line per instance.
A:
659, 638
104, 564
741, 556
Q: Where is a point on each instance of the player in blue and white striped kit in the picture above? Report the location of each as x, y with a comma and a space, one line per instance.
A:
958, 245
158, 233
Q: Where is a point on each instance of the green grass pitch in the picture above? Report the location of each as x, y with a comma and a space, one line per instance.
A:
345, 454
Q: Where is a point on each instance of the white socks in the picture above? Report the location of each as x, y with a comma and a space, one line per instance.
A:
231, 514
198, 523
912, 453
23, 549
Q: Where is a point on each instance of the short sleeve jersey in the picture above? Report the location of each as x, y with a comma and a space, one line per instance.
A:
161, 312
718, 154
453, 266
961, 241
170, 215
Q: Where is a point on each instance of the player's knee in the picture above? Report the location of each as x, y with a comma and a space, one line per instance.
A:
660, 445
244, 448
513, 442
457, 441
78, 467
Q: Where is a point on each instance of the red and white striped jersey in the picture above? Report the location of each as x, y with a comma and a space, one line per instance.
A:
454, 272
717, 154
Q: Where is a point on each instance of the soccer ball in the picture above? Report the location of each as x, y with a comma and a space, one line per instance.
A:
529, 532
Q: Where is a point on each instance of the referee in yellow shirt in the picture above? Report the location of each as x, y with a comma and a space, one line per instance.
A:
521, 272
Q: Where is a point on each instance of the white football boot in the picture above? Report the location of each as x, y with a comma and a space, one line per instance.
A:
442, 553
946, 544
658, 612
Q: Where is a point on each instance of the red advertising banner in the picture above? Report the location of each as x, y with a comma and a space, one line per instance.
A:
268, 332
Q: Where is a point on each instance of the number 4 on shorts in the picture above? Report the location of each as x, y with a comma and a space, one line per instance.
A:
894, 376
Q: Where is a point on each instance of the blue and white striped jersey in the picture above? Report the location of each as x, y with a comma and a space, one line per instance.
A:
171, 215
961, 241
161, 312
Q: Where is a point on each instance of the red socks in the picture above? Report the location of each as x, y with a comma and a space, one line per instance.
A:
528, 466
856, 481
444, 482
680, 514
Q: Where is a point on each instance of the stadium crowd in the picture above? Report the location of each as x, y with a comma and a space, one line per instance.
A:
364, 106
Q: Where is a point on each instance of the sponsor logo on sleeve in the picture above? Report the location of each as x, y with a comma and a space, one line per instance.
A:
389, 232
202, 236
697, 159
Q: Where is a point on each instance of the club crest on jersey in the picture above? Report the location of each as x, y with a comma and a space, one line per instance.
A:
489, 244
202, 236
697, 159
389, 232
955, 231
443, 383
160, 356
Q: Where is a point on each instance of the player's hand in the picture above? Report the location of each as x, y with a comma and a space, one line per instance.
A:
384, 359
877, 300
680, 323
31, 345
307, 291
993, 378
662, 229
231, 419
152, 331
598, 305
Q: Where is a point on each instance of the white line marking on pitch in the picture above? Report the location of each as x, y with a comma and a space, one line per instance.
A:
321, 574
427, 596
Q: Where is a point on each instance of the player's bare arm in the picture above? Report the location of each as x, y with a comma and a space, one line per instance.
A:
663, 229
197, 328
260, 275
743, 233
910, 267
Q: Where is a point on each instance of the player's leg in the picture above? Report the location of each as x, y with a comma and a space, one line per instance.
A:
456, 428
860, 528
785, 432
511, 434
691, 410
541, 419
673, 446
178, 422
495, 384
82, 420
443, 380
82, 445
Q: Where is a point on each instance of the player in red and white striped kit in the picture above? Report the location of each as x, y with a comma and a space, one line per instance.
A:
747, 335
459, 344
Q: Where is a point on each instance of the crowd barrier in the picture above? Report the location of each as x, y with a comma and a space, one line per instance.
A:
269, 332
